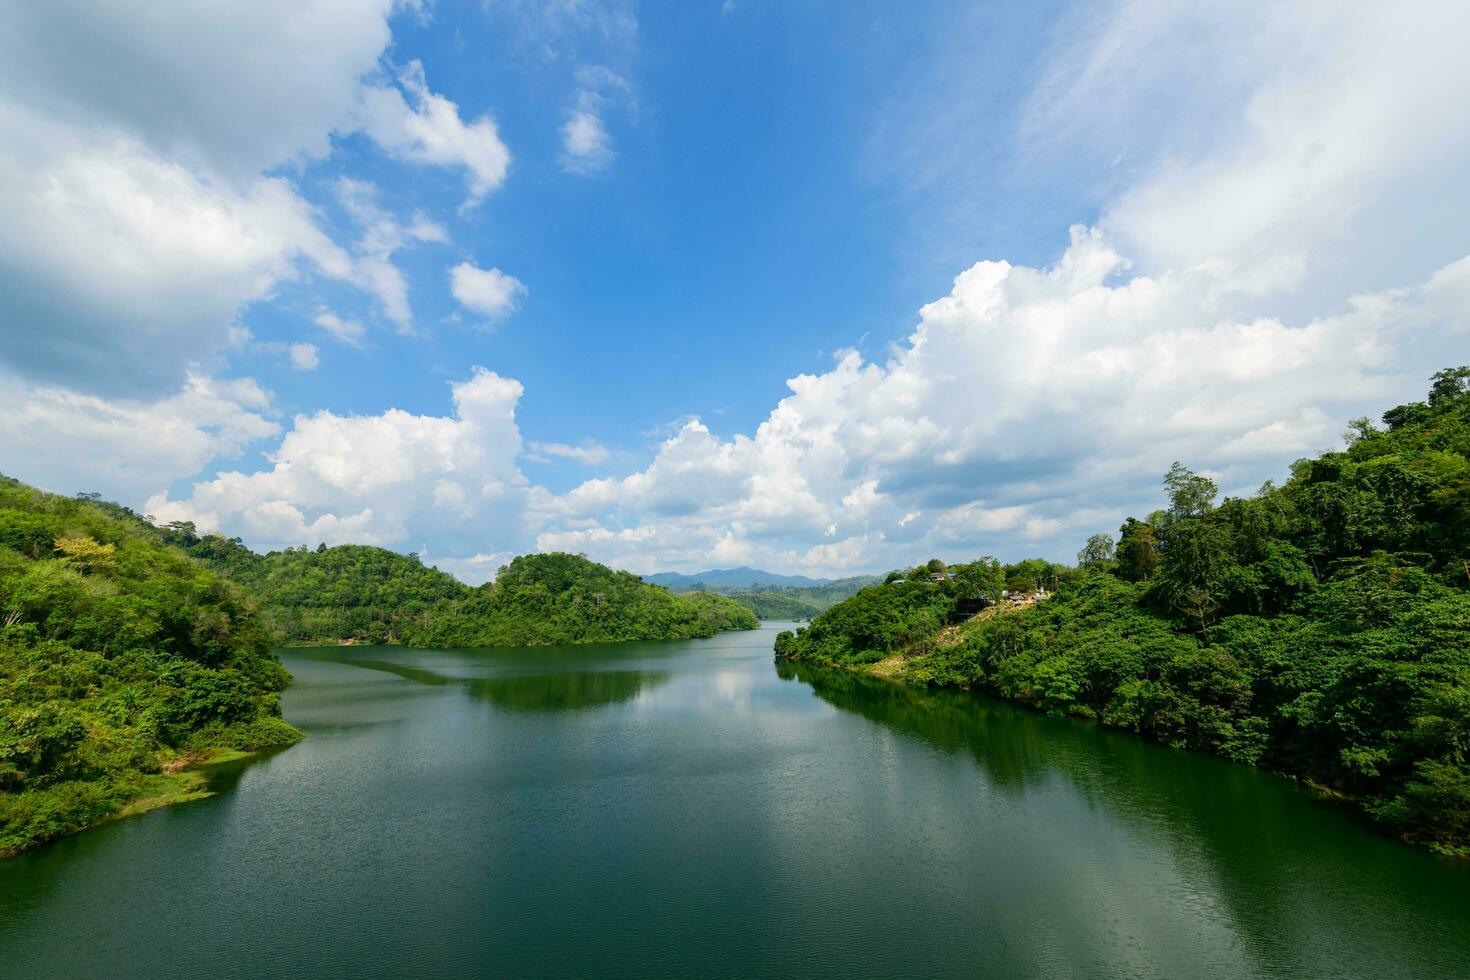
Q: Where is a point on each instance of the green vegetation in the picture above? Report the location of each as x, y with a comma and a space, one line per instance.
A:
345, 594
122, 662
360, 594
1320, 628
720, 612
561, 598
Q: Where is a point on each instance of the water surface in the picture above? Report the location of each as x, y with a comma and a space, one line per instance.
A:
689, 808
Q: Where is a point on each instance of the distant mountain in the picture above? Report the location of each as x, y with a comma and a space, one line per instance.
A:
732, 578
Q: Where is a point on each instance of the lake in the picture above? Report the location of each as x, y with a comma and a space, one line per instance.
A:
692, 808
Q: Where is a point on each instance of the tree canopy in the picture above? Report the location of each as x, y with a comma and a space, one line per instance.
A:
562, 598
120, 661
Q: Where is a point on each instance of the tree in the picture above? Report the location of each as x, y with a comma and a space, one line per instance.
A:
1190, 495
983, 577
1448, 386
1138, 551
86, 554
1097, 552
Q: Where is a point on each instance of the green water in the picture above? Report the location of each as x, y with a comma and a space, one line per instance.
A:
690, 809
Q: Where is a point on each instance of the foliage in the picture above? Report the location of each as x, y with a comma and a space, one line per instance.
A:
1097, 552
118, 657
905, 609
347, 593
721, 611
361, 594
560, 598
1320, 628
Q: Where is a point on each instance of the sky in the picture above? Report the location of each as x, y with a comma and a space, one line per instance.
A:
822, 288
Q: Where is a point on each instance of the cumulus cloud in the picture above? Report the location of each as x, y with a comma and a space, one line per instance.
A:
231, 89
138, 220
1030, 406
388, 479
427, 128
140, 156
67, 441
119, 268
489, 292
1243, 292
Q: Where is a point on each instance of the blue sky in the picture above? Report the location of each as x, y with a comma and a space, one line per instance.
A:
826, 288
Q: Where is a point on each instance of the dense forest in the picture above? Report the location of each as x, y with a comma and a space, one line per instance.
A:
1320, 628
122, 663
562, 598
344, 594
362, 594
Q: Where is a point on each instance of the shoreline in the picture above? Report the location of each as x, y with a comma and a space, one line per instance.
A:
891, 670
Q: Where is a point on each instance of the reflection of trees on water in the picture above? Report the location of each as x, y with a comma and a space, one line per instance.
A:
1280, 860
567, 691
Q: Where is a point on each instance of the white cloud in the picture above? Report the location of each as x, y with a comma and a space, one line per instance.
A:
1292, 138
589, 454
425, 229
134, 143
230, 89
119, 268
1284, 171
381, 236
1029, 407
304, 357
69, 441
348, 332
431, 131
489, 292
383, 479
587, 145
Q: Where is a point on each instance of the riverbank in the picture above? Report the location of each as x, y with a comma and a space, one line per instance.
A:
895, 669
181, 779
1356, 701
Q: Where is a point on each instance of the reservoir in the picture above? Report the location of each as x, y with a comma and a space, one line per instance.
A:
695, 809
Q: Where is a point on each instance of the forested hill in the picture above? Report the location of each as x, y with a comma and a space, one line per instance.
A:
1320, 628
361, 594
562, 598
121, 662
347, 593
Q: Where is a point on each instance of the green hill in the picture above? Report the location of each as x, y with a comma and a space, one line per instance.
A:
361, 594
560, 598
1320, 628
121, 663
347, 593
